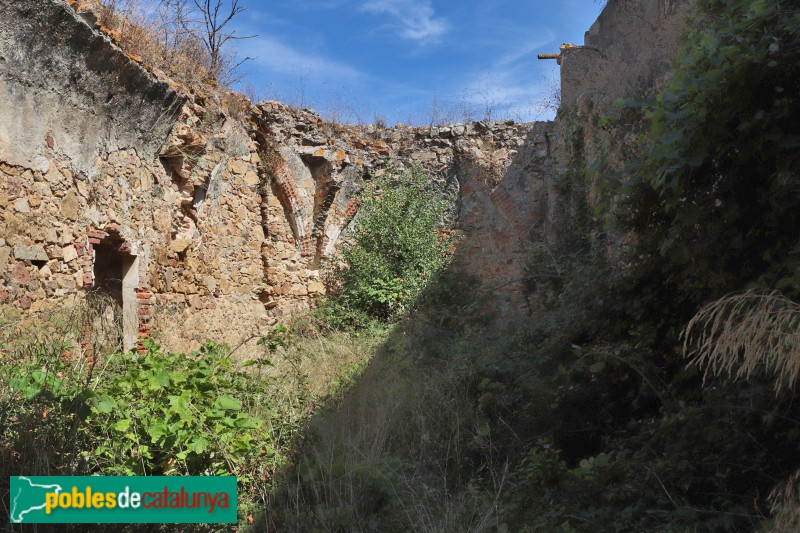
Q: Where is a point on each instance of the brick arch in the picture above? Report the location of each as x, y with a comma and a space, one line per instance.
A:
286, 191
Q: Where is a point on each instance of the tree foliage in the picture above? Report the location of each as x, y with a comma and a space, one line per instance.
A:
716, 196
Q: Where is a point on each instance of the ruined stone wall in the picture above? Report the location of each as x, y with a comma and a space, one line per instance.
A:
211, 218
188, 224
627, 51
112, 181
205, 225
498, 171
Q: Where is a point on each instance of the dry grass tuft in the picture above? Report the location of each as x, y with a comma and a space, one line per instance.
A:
785, 502
741, 333
165, 37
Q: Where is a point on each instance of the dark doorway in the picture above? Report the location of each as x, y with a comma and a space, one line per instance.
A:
113, 298
108, 272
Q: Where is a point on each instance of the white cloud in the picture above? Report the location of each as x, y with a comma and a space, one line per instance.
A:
513, 93
278, 57
415, 19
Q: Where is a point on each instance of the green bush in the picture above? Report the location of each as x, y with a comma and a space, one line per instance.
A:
191, 414
397, 248
714, 201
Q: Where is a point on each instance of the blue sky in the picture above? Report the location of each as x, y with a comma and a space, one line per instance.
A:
409, 61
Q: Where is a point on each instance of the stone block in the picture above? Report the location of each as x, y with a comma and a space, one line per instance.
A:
179, 245
299, 290
316, 287
21, 274
5, 253
51, 235
238, 166
22, 206
70, 253
70, 206
30, 253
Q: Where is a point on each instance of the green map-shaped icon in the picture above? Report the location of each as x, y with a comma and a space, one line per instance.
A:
28, 498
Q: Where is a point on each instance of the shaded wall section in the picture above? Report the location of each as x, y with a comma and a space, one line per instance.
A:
627, 51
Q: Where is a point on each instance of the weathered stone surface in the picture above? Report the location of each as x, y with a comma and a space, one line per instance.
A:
251, 178
22, 206
238, 166
29, 253
627, 51
5, 253
315, 287
180, 245
66, 87
70, 206
20, 273
69, 254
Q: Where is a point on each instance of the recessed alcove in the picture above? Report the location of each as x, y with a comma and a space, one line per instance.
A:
116, 276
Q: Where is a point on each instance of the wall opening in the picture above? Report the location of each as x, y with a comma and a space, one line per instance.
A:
113, 298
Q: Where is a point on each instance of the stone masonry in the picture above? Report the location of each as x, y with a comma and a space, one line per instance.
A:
208, 217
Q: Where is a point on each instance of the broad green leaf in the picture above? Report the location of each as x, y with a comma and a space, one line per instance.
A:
159, 379
104, 404
156, 431
228, 403
123, 425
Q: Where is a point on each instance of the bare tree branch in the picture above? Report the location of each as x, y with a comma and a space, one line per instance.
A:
216, 15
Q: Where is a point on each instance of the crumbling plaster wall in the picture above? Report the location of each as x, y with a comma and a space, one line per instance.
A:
95, 149
59, 75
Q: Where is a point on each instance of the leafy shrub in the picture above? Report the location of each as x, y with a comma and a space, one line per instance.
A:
396, 250
154, 413
43, 402
165, 413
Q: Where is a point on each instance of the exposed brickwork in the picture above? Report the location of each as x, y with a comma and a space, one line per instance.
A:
144, 300
497, 168
225, 244
350, 210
